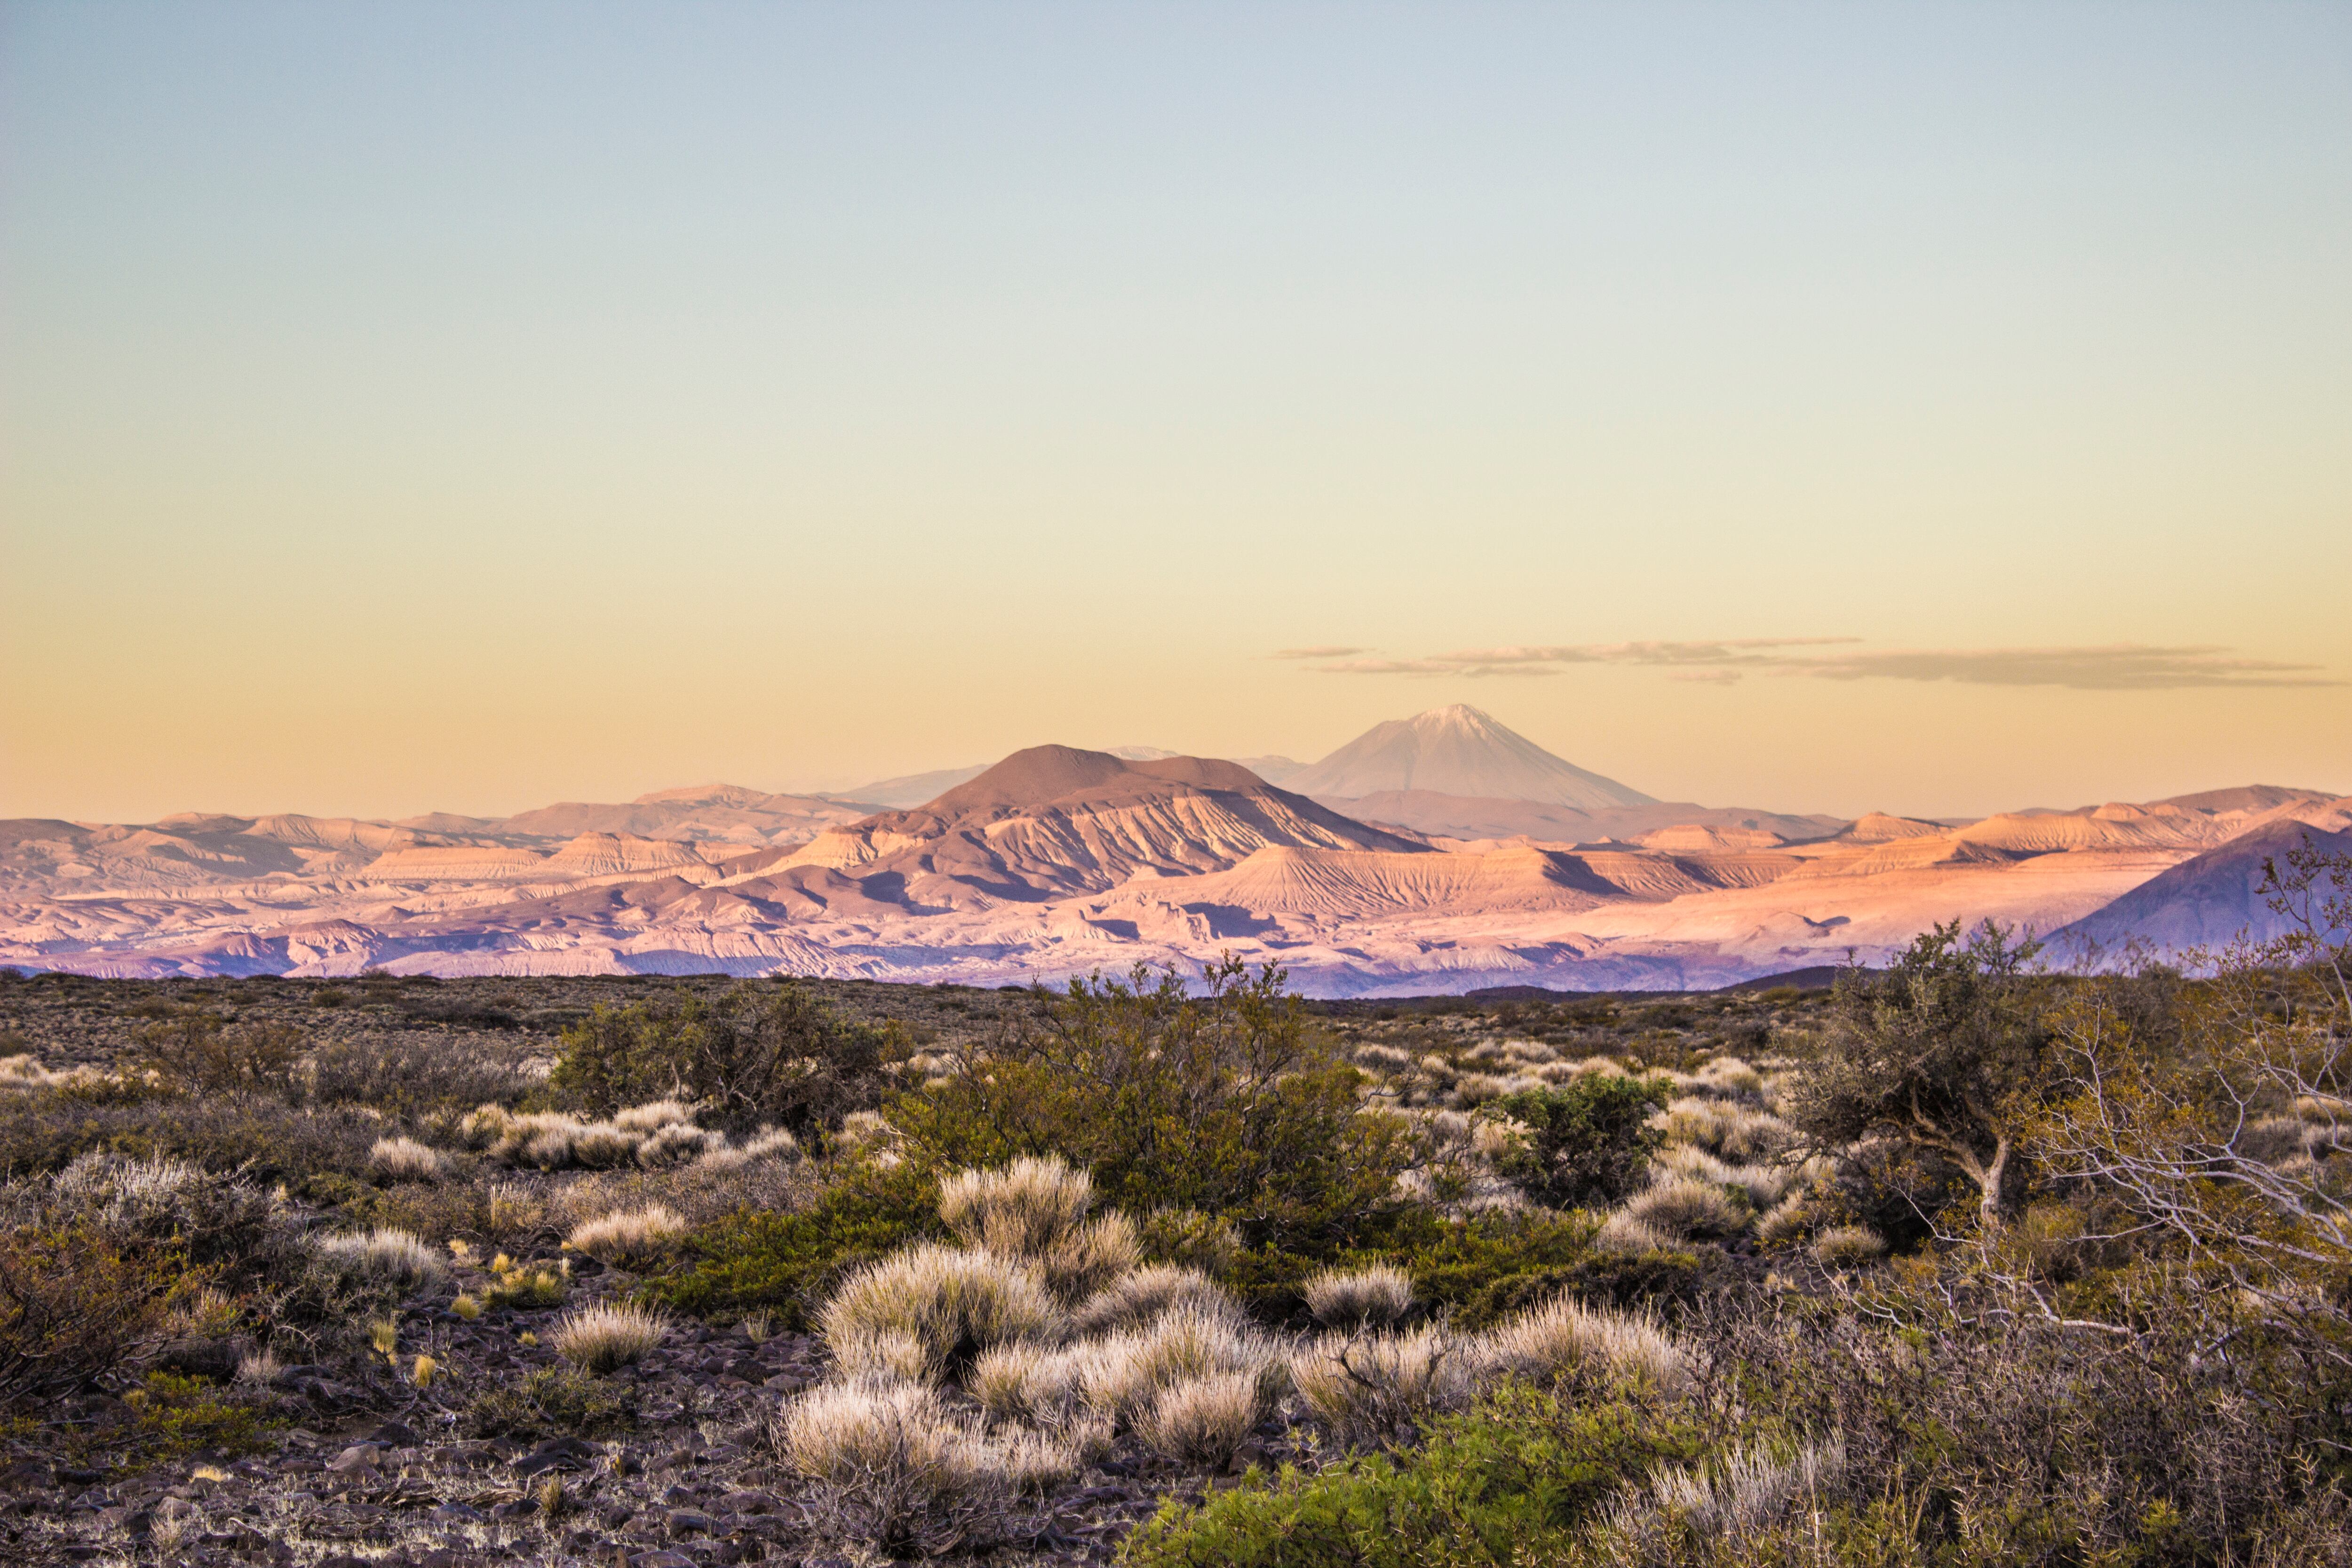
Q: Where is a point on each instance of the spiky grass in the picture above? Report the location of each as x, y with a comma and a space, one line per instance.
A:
1564, 1337
1849, 1246
1021, 1210
387, 1257
630, 1238
1688, 1207
889, 1461
1360, 1298
406, 1159
954, 1303
1136, 1298
1368, 1387
608, 1336
1203, 1420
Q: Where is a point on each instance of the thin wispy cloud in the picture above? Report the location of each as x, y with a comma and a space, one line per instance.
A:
1315, 652
2115, 667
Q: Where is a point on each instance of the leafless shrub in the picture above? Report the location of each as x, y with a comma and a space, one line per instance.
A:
1360, 1298
608, 1336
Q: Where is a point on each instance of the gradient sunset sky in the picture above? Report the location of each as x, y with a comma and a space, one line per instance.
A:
469, 406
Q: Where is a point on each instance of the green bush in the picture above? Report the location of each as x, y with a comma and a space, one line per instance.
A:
786, 1263
75, 1302
553, 1401
1453, 1262
173, 1417
1588, 1141
763, 1054
1219, 1102
1505, 1482
1671, 1282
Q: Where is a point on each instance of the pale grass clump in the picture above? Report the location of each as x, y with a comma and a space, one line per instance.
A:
1078, 1264
406, 1159
653, 1116
387, 1257
1035, 1463
1120, 1375
889, 1461
630, 1238
1605, 1066
1473, 1090
676, 1142
1384, 1059
1784, 1222
1730, 1077
1764, 1185
1368, 1387
892, 1353
1685, 1208
608, 1336
1849, 1246
23, 1072
1360, 1298
1733, 1499
955, 1303
1564, 1337
1021, 1210
660, 1132
768, 1143
1203, 1420
1137, 1298
258, 1369
1626, 1233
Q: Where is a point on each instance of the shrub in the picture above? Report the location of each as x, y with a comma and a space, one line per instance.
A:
1662, 1279
197, 1052
553, 1402
1203, 1420
1453, 1262
764, 1053
954, 1303
630, 1238
786, 1263
889, 1462
172, 1416
608, 1336
1219, 1102
75, 1304
1565, 1338
410, 1078
1360, 1298
1588, 1141
1504, 1482
1374, 1387
1189, 1239
265, 1140
406, 1159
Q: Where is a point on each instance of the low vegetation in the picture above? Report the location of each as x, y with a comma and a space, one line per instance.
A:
1969, 1262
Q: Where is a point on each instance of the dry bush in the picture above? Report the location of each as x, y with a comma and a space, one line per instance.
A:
197, 1052
405, 1160
380, 1261
608, 1336
1021, 1210
1849, 1246
410, 1078
889, 1463
955, 1303
1566, 1338
75, 1305
1687, 1208
1138, 1297
631, 1238
1359, 1298
1371, 1388
1203, 1420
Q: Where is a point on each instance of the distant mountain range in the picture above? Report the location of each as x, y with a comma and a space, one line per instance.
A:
1440, 853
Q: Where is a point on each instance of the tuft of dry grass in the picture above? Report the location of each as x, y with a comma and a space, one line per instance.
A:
406, 1159
1203, 1420
1849, 1246
889, 1461
1687, 1208
954, 1303
1120, 1375
1368, 1387
1077, 1265
1360, 1298
1737, 1497
630, 1238
1136, 1298
1564, 1337
608, 1336
1021, 1210
387, 1257
1624, 1234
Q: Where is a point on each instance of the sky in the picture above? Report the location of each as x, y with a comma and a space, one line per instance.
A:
1929, 408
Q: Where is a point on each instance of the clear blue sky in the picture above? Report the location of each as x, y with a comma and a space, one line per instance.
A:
465, 406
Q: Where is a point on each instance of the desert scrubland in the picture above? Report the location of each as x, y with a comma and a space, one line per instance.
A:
1958, 1261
